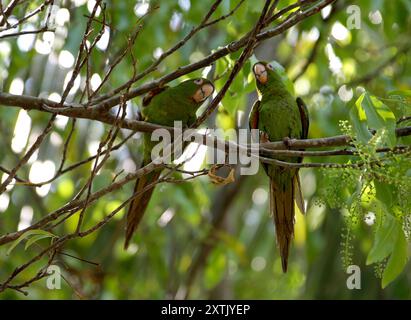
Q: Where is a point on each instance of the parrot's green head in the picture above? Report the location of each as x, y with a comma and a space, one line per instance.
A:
267, 77
197, 89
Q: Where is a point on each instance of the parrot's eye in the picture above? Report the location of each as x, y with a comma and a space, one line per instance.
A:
198, 81
269, 66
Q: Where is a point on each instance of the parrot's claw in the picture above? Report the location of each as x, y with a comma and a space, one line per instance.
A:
287, 142
139, 116
264, 137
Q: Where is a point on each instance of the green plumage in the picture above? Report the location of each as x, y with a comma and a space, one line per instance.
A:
278, 115
163, 106
169, 104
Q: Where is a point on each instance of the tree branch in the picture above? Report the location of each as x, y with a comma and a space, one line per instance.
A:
77, 111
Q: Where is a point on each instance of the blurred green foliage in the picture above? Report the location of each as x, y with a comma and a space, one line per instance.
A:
241, 259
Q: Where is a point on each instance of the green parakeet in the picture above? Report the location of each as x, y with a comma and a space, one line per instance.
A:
164, 106
279, 115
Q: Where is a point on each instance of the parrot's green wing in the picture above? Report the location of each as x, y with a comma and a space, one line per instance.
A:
151, 94
254, 114
305, 121
253, 123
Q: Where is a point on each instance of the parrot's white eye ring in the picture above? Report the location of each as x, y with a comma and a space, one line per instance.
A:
269, 66
198, 81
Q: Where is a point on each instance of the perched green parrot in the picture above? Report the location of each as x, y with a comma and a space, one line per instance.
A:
164, 106
278, 115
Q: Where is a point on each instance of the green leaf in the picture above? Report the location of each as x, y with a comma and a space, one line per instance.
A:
371, 112
384, 193
377, 115
359, 121
35, 239
397, 260
27, 234
384, 239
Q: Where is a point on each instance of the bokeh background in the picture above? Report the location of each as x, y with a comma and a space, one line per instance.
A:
197, 240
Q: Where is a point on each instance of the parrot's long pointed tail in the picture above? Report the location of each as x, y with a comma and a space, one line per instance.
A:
139, 204
282, 194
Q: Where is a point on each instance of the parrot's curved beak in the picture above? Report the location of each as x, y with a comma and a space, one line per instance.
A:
203, 92
260, 73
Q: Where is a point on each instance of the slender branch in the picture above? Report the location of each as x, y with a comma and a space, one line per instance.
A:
163, 56
75, 205
69, 168
28, 16
7, 12
374, 73
403, 119
80, 61
28, 154
322, 35
205, 25
9, 35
